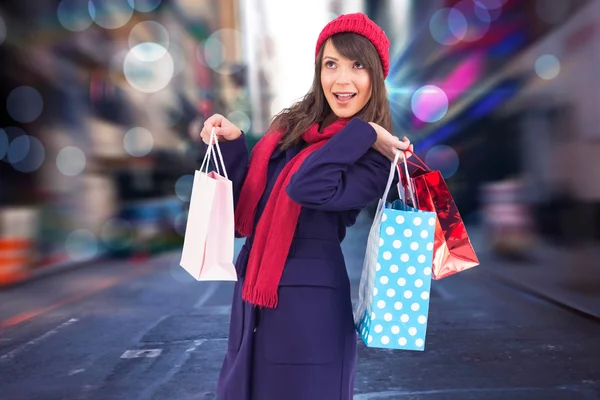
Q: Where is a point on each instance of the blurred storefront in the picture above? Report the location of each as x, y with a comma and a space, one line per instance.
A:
101, 162
95, 150
455, 89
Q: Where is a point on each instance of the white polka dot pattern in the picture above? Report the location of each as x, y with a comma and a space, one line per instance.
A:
396, 281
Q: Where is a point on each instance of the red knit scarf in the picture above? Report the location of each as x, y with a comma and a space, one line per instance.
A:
277, 224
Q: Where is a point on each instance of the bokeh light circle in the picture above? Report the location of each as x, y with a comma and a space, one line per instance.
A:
18, 148
74, 15
476, 27
241, 120
117, 234
149, 51
487, 11
429, 103
11, 133
71, 161
485, 15
547, 66
215, 51
443, 158
110, 14
24, 104
148, 76
138, 142
81, 245
34, 156
183, 187
448, 26
144, 5
149, 40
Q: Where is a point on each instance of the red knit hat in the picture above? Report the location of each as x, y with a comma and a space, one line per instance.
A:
361, 24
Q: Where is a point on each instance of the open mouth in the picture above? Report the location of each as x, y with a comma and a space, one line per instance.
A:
343, 97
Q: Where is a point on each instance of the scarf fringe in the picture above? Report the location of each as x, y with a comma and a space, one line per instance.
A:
260, 298
244, 227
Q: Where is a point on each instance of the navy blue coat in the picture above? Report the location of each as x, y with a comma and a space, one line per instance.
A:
305, 349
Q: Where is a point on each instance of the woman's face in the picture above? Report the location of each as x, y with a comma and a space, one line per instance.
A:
346, 83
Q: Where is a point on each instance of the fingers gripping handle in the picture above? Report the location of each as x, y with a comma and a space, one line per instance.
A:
210, 152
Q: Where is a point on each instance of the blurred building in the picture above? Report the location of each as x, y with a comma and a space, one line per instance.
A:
475, 91
95, 149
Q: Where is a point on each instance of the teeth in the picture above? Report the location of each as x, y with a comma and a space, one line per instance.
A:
346, 96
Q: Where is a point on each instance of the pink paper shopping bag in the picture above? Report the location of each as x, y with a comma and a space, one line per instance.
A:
207, 252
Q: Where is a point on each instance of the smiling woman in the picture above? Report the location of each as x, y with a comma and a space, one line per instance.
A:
322, 161
348, 82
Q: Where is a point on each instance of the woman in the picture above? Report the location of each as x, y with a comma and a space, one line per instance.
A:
291, 333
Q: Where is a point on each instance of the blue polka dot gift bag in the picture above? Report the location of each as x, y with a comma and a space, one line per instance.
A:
393, 303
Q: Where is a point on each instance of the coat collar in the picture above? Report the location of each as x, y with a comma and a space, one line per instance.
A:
289, 153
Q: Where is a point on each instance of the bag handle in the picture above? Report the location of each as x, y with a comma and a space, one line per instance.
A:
393, 168
210, 152
408, 181
206, 161
424, 166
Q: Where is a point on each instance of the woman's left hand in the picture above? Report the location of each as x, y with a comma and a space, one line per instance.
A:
387, 144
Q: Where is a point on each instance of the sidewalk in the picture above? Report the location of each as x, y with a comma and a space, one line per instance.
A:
48, 269
64, 264
569, 276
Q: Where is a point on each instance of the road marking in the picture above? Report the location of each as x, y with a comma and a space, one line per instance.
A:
168, 375
214, 310
411, 394
10, 355
377, 395
76, 371
194, 347
143, 353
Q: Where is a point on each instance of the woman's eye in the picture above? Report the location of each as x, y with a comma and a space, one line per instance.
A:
358, 65
329, 64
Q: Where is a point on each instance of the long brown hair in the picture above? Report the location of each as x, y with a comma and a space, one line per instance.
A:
313, 108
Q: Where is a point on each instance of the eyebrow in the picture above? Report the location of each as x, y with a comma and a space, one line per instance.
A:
331, 58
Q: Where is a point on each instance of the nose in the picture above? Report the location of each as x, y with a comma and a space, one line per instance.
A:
344, 76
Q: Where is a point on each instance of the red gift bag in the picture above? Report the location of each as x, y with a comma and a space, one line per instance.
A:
452, 251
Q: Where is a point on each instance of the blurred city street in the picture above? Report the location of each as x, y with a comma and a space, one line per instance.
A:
146, 330
101, 105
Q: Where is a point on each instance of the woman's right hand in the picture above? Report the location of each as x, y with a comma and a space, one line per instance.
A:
388, 144
225, 130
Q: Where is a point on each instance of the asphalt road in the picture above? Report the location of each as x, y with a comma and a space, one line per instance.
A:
145, 330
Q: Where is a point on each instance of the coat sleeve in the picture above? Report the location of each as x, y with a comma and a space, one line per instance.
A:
236, 159
345, 174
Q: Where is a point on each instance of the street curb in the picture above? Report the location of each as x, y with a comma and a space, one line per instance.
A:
543, 293
49, 270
